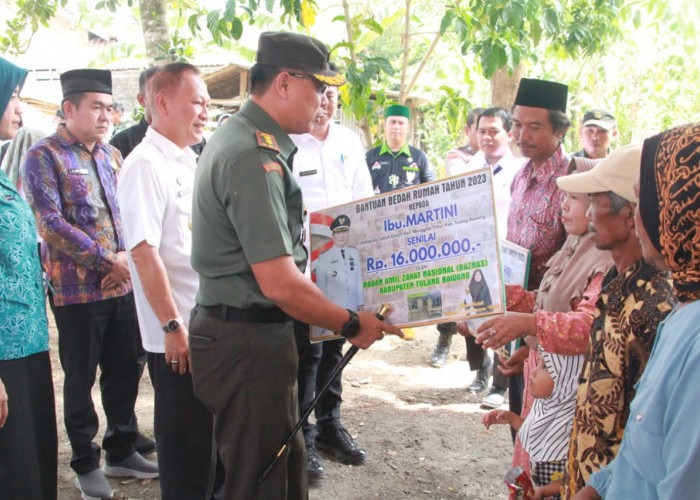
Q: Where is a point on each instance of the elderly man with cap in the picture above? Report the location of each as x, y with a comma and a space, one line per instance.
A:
635, 297
660, 452
248, 248
597, 132
28, 443
395, 164
331, 171
70, 181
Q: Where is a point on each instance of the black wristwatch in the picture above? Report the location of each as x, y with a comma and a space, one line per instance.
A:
352, 326
173, 325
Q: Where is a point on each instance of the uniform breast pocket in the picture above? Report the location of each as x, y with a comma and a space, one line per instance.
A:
644, 436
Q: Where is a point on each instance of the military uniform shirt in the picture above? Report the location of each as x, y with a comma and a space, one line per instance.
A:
247, 208
405, 168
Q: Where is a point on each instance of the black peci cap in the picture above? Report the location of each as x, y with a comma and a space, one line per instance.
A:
86, 80
542, 94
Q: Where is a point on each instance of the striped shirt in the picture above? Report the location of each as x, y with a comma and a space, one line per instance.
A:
73, 194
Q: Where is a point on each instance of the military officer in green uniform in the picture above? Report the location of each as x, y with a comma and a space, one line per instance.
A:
247, 246
395, 164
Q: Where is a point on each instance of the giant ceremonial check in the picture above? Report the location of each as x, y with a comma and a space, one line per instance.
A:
430, 251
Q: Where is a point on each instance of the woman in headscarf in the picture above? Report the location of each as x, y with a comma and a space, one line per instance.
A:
28, 443
479, 292
660, 452
559, 315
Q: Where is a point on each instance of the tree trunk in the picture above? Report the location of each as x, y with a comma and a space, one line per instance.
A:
504, 86
156, 30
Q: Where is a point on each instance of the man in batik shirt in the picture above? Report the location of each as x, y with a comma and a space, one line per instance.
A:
635, 297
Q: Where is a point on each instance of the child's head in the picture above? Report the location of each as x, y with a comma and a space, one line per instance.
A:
541, 381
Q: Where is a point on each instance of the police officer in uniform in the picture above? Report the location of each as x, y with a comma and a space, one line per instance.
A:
395, 164
247, 246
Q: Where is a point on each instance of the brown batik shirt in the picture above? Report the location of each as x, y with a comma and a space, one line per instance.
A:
629, 308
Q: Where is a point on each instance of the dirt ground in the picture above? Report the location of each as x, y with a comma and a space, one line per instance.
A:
422, 431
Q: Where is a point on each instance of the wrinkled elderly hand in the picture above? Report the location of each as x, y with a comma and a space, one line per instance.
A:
500, 330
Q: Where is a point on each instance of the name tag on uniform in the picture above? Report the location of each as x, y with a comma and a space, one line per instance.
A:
184, 192
79, 171
308, 172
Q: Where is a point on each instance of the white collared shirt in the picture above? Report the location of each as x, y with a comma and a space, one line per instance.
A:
504, 170
331, 172
155, 199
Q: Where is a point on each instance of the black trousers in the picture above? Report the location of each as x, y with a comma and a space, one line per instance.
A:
28, 443
184, 431
316, 362
90, 335
476, 356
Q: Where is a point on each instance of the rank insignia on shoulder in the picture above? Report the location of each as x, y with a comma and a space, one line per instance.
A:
273, 166
267, 141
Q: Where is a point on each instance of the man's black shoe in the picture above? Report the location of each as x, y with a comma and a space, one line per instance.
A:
144, 445
314, 466
340, 444
441, 351
481, 380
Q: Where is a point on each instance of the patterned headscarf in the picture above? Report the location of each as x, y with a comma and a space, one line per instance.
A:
669, 193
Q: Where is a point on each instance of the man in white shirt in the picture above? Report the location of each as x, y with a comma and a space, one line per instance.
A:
155, 195
330, 168
493, 129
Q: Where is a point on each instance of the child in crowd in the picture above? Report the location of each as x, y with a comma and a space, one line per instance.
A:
545, 431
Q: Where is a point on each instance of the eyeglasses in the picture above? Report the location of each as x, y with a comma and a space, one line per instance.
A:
320, 86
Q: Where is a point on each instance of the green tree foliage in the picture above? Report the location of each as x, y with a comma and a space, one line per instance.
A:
31, 14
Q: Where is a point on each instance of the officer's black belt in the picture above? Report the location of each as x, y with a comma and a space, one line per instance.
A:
257, 315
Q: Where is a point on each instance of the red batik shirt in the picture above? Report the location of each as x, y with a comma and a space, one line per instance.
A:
534, 219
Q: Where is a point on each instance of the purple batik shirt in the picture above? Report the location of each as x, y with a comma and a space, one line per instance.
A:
73, 193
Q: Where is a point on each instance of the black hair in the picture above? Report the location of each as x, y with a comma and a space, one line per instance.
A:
261, 76
146, 75
497, 112
473, 116
559, 120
